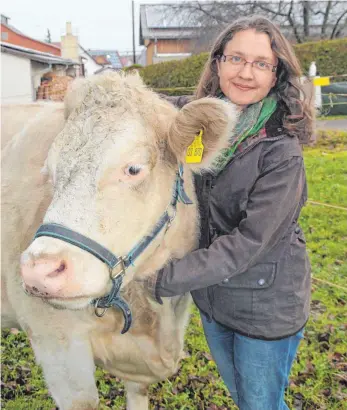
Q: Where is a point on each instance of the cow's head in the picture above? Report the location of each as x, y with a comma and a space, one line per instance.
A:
112, 171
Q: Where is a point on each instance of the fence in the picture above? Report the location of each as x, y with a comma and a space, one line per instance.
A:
330, 98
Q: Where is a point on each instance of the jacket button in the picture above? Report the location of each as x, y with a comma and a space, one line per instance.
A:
261, 282
225, 280
297, 230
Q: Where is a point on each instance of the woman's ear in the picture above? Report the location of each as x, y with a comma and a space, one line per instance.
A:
274, 80
218, 67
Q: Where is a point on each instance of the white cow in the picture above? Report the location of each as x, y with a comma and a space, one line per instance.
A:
106, 167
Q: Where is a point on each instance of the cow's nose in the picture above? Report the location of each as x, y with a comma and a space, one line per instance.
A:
45, 276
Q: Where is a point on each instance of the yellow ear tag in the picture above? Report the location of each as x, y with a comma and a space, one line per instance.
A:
195, 150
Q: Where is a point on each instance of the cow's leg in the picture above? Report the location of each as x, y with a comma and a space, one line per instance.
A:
8, 315
137, 396
68, 369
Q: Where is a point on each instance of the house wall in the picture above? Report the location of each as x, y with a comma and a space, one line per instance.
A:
16, 81
150, 52
174, 46
37, 71
181, 47
23, 41
90, 66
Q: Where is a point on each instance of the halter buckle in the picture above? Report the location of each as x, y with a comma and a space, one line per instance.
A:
99, 311
120, 262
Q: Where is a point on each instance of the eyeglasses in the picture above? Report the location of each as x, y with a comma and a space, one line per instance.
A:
237, 62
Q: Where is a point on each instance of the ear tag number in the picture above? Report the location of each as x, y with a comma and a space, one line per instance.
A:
195, 150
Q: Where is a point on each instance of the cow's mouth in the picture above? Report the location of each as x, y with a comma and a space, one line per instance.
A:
71, 303
77, 302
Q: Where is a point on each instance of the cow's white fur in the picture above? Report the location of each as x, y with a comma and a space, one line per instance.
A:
111, 122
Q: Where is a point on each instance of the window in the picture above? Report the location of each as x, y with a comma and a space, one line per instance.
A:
4, 35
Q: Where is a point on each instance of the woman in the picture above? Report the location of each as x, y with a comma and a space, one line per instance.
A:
251, 277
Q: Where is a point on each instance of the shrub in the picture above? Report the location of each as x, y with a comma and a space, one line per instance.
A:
132, 67
331, 139
177, 73
175, 91
329, 55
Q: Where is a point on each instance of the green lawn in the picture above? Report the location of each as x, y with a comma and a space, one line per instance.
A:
319, 376
332, 117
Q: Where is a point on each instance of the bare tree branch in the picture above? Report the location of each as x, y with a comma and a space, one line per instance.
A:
325, 19
334, 32
306, 18
302, 20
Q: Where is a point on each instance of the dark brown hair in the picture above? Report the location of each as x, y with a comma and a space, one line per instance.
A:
294, 95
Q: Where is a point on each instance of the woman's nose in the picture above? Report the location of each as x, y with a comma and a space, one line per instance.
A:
246, 72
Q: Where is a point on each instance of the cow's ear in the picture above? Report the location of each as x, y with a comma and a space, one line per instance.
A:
77, 91
214, 117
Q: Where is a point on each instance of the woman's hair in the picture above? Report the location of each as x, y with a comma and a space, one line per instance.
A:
298, 117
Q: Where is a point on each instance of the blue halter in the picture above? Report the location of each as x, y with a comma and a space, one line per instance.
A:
110, 259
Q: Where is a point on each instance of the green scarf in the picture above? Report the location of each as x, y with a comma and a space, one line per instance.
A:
251, 120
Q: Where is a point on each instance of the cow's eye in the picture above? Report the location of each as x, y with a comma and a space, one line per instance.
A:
133, 170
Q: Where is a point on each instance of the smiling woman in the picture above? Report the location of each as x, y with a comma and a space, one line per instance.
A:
251, 276
247, 68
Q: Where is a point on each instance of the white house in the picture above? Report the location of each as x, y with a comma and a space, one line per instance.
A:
89, 65
22, 70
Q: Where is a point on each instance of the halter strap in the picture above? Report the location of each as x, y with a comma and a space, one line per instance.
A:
109, 258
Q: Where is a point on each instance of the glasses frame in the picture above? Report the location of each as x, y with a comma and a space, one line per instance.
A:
223, 58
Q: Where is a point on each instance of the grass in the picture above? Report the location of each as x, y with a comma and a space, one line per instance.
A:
318, 379
331, 117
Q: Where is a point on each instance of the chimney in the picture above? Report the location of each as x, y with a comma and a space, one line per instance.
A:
68, 27
69, 44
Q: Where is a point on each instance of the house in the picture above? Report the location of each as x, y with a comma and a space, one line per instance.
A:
127, 57
71, 49
23, 70
88, 65
11, 35
107, 58
164, 34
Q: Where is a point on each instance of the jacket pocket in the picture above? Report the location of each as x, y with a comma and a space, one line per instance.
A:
251, 294
260, 276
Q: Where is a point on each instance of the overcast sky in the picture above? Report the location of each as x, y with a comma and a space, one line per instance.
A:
104, 24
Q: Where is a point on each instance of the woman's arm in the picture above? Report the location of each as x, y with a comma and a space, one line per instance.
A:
270, 211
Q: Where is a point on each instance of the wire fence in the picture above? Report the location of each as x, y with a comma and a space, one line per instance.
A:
321, 281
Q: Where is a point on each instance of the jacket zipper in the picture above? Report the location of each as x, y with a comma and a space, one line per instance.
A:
209, 183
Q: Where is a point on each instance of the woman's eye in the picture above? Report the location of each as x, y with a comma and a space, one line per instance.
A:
235, 59
133, 170
261, 64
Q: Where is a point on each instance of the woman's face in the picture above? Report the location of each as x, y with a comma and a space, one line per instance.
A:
242, 83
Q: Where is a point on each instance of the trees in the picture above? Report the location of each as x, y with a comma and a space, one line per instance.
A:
48, 38
301, 21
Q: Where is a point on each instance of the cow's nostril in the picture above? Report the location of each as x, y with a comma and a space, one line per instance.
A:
58, 271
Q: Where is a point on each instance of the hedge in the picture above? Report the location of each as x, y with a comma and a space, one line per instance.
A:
175, 91
329, 55
176, 73
133, 67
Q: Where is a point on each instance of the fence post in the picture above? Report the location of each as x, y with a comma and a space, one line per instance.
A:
312, 72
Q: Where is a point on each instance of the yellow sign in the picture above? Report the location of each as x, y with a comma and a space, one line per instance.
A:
321, 81
195, 150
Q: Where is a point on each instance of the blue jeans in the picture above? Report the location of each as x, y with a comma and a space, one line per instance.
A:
255, 371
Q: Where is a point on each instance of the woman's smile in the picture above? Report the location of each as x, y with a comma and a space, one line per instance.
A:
243, 87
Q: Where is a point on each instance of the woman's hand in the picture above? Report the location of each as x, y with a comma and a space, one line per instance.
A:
149, 283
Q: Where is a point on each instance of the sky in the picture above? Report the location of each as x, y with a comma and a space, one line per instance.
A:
103, 24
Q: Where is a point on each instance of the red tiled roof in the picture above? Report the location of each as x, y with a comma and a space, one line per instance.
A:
16, 37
